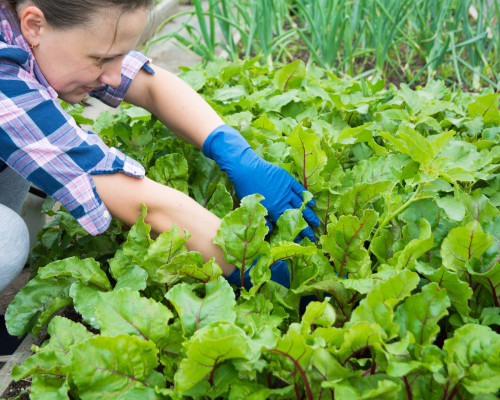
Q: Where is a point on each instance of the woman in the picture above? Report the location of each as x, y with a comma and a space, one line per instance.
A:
51, 49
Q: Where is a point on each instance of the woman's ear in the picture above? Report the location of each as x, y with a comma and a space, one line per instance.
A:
32, 22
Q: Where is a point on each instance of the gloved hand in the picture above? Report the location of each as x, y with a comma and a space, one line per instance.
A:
251, 174
279, 274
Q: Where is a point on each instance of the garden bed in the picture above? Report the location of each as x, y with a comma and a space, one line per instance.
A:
406, 261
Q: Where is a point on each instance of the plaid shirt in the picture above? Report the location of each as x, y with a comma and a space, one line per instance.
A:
43, 143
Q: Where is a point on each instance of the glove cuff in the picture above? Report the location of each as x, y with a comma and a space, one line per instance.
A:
279, 274
224, 144
235, 278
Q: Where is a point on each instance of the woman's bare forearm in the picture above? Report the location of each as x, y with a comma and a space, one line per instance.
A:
175, 104
123, 196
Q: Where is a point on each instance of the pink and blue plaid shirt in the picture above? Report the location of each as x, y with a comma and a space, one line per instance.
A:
43, 143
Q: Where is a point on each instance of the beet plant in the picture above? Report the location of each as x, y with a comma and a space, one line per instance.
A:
397, 299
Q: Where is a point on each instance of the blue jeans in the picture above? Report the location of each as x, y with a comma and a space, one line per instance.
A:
14, 235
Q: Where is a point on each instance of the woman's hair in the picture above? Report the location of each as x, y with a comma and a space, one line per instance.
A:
70, 13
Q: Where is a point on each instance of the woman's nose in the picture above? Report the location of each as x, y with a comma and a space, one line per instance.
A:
112, 73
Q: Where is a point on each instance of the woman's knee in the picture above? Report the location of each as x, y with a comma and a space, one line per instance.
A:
14, 245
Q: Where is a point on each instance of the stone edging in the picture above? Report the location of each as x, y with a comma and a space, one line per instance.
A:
19, 356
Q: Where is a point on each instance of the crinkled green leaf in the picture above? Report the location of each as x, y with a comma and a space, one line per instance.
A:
420, 314
458, 291
124, 311
325, 370
108, 367
207, 187
488, 276
35, 304
195, 311
45, 387
479, 207
189, 265
54, 357
319, 314
411, 142
472, 358
134, 278
308, 156
87, 270
290, 224
221, 201
85, 299
377, 307
294, 353
254, 391
290, 76
407, 257
242, 232
376, 169
257, 312
344, 243
355, 339
464, 243
486, 106
357, 199
168, 245
453, 207
380, 387
138, 240
170, 356
171, 170
206, 350
461, 161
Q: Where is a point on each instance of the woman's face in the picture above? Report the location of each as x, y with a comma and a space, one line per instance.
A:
77, 60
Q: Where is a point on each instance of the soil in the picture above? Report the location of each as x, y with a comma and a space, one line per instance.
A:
10, 292
20, 390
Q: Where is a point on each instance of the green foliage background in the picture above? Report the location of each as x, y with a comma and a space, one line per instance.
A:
406, 270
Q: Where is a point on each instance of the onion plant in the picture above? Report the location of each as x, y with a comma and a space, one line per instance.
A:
410, 41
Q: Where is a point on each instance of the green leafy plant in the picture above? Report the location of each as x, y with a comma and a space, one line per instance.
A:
413, 41
405, 273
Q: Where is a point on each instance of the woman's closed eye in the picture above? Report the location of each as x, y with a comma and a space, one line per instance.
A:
103, 60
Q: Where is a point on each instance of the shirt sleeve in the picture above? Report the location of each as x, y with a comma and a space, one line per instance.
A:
132, 63
43, 143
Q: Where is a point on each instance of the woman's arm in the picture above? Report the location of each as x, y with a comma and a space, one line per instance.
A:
175, 104
124, 194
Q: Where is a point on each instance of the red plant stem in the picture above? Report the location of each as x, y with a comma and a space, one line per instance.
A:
211, 379
269, 380
242, 270
495, 297
445, 395
453, 392
361, 349
297, 368
288, 79
296, 386
408, 388
327, 213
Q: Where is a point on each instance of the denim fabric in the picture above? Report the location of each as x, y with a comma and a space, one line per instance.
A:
14, 245
13, 189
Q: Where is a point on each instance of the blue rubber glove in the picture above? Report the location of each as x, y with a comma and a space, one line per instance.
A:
279, 274
251, 174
